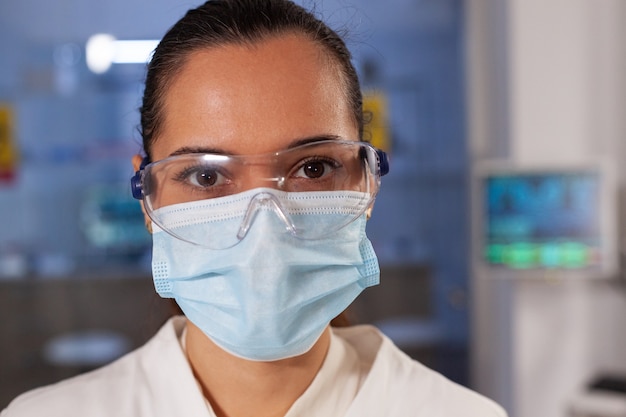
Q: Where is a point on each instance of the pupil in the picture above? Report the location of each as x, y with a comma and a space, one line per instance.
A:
314, 169
206, 178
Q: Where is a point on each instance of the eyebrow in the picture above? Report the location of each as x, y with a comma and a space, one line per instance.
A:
298, 142
197, 149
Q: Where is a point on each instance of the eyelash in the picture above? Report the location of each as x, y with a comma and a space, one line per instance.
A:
184, 174
334, 164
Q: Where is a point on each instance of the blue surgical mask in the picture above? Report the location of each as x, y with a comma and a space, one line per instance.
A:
270, 296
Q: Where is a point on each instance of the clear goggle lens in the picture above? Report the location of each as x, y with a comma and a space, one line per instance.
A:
342, 176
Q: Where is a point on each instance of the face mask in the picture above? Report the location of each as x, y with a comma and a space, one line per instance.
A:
270, 296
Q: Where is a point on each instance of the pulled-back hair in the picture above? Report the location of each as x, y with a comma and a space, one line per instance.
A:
223, 22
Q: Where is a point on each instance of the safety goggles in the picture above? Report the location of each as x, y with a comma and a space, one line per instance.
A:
320, 169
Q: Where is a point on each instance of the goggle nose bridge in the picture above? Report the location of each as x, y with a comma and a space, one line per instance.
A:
264, 200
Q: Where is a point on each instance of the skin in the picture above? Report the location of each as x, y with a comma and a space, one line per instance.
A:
249, 100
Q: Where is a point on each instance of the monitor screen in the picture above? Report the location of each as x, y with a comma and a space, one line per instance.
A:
552, 219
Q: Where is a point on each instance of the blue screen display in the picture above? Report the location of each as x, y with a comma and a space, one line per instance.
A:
543, 220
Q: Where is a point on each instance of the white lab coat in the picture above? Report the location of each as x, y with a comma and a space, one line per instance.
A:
156, 381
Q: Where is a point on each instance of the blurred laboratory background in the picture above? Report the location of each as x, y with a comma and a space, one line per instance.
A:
498, 229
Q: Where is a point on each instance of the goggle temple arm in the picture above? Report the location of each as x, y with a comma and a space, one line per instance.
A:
135, 182
383, 161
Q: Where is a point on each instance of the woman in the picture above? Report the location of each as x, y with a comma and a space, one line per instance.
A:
256, 185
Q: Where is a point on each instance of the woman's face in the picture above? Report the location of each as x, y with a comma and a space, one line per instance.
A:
254, 99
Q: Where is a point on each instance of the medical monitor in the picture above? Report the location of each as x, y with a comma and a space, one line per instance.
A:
551, 219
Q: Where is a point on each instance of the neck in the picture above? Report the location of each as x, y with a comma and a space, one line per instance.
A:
237, 387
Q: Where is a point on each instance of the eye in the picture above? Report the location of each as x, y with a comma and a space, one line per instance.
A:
202, 176
316, 168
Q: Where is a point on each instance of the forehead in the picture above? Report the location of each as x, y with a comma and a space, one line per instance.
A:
255, 98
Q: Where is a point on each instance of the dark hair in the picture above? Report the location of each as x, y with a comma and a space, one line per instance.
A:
221, 22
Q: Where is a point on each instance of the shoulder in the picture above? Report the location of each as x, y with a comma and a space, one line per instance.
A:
128, 386
73, 395
403, 386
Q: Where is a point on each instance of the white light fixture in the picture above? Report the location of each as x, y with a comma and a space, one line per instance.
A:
103, 50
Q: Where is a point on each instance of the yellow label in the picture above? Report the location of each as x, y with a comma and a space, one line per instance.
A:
8, 149
376, 127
